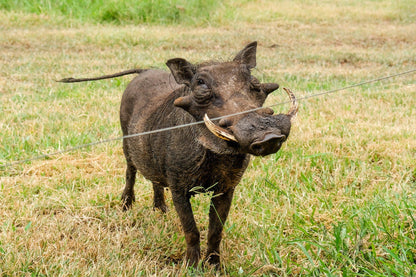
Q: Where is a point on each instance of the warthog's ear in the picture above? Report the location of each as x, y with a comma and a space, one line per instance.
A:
269, 87
247, 56
182, 70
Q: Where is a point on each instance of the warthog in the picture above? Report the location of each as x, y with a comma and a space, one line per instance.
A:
212, 156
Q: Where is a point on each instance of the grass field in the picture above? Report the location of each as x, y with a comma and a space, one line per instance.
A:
117, 12
339, 199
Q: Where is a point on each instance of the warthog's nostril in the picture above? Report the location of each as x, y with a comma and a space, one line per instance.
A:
268, 145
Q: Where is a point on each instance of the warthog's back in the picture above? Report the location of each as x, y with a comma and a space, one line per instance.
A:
144, 94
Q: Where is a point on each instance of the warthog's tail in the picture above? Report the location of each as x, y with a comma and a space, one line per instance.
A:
127, 72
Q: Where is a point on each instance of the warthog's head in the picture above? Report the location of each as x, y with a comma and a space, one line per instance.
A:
219, 89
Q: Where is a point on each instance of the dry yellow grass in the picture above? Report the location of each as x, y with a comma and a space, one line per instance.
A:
339, 197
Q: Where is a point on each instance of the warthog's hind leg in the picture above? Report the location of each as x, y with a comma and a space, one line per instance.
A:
159, 197
127, 198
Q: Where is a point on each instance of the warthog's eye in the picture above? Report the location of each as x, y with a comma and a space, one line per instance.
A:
202, 92
201, 83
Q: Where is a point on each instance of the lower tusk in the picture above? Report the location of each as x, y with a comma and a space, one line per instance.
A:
218, 131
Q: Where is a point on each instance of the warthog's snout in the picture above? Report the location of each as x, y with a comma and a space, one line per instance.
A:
259, 133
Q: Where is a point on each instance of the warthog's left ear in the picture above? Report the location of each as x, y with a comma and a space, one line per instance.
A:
247, 56
182, 70
269, 87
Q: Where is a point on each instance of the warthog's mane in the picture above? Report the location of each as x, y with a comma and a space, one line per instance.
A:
206, 63
197, 66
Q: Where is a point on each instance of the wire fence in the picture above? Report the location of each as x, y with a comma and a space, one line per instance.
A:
10, 164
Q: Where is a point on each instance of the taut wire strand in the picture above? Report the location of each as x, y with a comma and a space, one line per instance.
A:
7, 165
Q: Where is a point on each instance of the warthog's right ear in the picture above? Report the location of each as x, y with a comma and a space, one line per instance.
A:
182, 70
247, 56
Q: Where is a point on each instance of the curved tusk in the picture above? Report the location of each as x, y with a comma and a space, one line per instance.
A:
295, 106
218, 131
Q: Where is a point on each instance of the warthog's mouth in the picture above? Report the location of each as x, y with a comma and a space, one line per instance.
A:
226, 135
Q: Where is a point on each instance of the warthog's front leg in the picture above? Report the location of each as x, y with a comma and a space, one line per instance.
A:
184, 210
220, 206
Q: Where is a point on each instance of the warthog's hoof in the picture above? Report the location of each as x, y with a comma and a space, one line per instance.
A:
162, 207
192, 256
127, 201
213, 259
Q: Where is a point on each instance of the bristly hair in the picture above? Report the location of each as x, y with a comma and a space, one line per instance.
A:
206, 63
211, 62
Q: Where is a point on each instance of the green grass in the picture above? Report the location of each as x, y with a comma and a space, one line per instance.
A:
338, 200
118, 12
